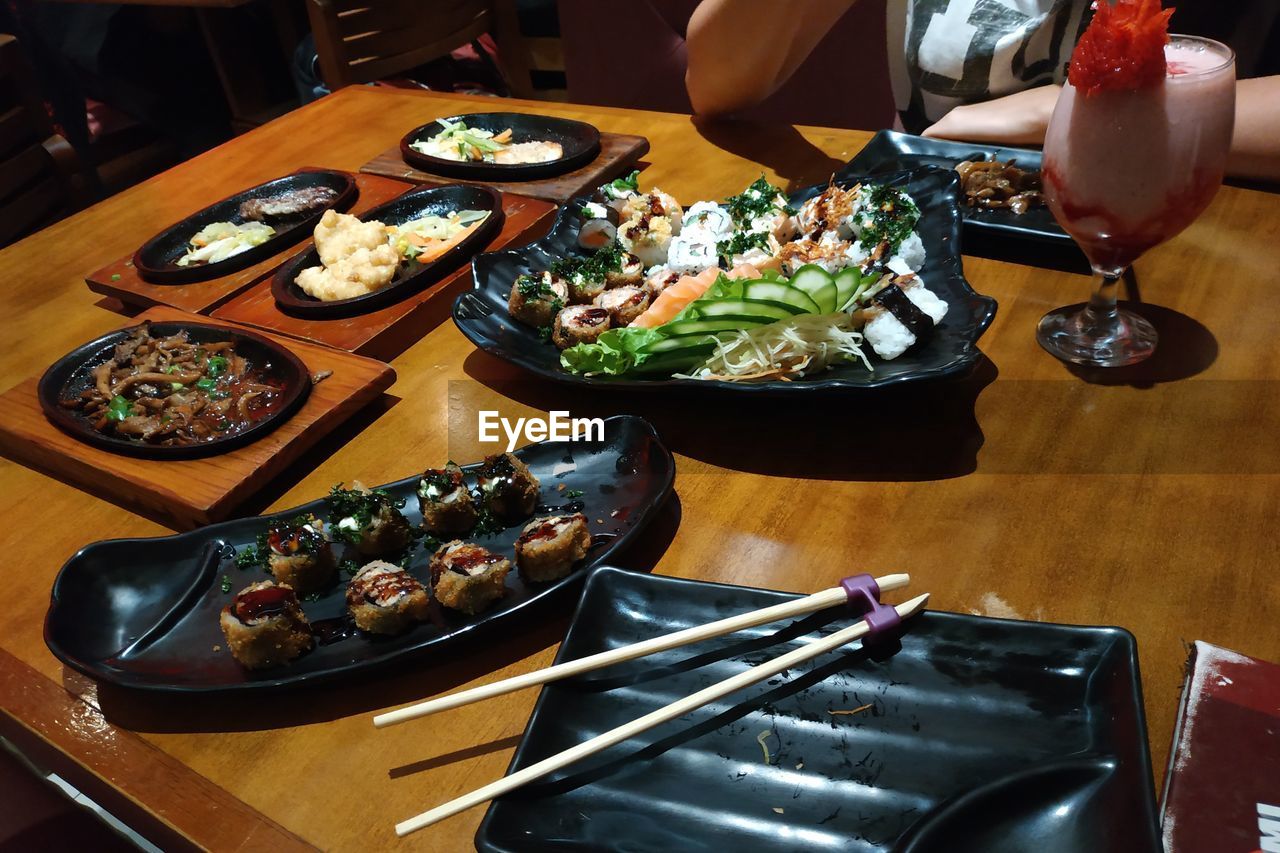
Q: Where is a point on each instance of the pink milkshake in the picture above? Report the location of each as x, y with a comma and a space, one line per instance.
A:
1126, 169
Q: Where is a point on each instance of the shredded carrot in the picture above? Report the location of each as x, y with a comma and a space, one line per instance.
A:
857, 710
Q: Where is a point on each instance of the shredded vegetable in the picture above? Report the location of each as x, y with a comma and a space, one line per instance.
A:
218, 241
416, 236
793, 348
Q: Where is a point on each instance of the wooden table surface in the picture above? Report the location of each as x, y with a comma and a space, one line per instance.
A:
1144, 498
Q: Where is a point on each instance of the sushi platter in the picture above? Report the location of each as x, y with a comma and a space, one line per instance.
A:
122, 280
191, 583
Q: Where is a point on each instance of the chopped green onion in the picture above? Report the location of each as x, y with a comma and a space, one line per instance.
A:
119, 408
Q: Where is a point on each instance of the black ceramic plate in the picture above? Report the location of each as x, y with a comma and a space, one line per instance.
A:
157, 260
483, 317
144, 612
70, 375
412, 276
579, 141
983, 735
890, 151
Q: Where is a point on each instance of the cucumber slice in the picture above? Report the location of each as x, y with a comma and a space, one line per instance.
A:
847, 281
783, 295
681, 328
673, 355
740, 309
818, 284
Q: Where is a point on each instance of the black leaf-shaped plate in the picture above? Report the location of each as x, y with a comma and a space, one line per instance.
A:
143, 613
890, 151
412, 276
482, 315
157, 259
72, 373
981, 735
579, 144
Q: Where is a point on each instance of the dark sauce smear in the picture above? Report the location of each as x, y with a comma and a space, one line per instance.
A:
329, 631
262, 603
559, 509
384, 586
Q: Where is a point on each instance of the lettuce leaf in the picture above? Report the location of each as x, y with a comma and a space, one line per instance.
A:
614, 353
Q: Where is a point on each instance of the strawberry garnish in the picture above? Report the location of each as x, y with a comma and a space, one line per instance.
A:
1123, 48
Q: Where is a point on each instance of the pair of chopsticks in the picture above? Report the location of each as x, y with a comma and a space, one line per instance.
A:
861, 589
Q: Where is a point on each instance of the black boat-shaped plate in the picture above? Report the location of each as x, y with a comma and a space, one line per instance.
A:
157, 259
482, 314
72, 373
579, 144
412, 276
890, 151
143, 613
968, 734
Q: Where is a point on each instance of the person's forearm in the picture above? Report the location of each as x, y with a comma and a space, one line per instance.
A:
1255, 147
741, 51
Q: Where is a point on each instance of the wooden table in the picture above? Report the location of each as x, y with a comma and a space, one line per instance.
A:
1145, 499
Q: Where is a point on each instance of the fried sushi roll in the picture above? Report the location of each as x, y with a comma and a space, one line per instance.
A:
299, 555
265, 626
508, 486
467, 577
627, 271
368, 519
385, 599
549, 547
446, 503
579, 324
536, 298
624, 304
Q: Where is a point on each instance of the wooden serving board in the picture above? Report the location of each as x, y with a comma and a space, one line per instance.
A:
619, 153
121, 280
195, 492
387, 332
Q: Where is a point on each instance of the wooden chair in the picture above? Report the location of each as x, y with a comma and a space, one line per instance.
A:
361, 41
40, 175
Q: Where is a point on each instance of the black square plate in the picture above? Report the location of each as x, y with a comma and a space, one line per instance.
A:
983, 735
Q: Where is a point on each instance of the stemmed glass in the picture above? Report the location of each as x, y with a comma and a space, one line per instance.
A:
1125, 171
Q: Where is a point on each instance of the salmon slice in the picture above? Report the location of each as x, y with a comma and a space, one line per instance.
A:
675, 298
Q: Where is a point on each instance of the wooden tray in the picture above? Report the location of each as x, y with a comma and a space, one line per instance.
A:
619, 154
192, 493
121, 280
387, 332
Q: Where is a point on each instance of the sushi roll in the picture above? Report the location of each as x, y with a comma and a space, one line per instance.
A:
692, 252
508, 486
903, 312
624, 304
652, 206
385, 599
830, 210
706, 220
549, 547
468, 578
619, 191
369, 520
536, 298
299, 555
265, 626
599, 226
445, 501
646, 237
830, 253
628, 270
658, 279
884, 213
579, 324
583, 281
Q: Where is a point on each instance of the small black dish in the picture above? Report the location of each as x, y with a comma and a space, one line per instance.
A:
412, 276
981, 734
483, 317
157, 260
70, 375
890, 151
579, 141
143, 613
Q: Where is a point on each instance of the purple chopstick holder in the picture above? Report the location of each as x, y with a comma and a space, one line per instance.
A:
864, 594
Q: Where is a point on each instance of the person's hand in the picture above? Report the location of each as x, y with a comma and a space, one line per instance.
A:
1017, 119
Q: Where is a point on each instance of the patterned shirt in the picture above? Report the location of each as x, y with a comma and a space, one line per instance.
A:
943, 53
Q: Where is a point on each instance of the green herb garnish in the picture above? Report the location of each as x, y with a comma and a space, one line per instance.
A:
119, 408
206, 384
889, 216
226, 584
742, 242
254, 555
573, 493
349, 566
759, 199
352, 511
631, 183
115, 276
216, 366
544, 333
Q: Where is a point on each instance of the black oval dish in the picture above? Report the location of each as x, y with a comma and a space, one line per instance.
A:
157, 260
143, 613
963, 733
412, 276
70, 374
580, 143
482, 313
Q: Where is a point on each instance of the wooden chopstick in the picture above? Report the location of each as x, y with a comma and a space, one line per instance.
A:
809, 604
676, 709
